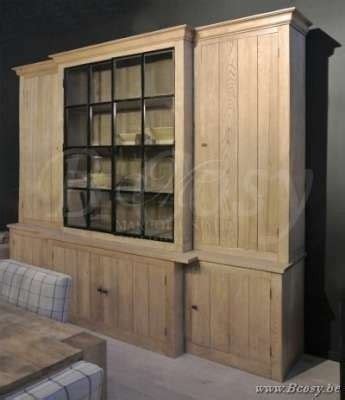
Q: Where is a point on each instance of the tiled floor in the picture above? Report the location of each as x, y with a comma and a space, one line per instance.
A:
137, 374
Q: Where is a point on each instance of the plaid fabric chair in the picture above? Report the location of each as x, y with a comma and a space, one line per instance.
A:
81, 381
38, 290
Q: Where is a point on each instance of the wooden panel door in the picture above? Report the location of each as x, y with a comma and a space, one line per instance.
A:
228, 313
237, 143
77, 264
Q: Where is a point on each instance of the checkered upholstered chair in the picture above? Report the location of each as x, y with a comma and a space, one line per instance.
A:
81, 381
38, 290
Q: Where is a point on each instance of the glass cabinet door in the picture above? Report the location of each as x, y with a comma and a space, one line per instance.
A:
100, 169
101, 76
76, 86
76, 126
101, 127
127, 83
128, 123
100, 210
159, 216
76, 170
76, 208
159, 121
159, 170
128, 213
159, 74
119, 146
128, 169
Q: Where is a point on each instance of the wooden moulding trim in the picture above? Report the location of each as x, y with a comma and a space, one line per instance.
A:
59, 234
182, 32
40, 68
260, 21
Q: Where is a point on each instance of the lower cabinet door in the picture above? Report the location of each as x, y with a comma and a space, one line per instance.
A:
120, 295
228, 316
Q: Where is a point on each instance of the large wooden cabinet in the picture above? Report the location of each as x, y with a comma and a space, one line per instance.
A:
228, 284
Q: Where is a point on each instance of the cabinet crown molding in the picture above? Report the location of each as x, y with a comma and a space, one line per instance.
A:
39, 68
285, 16
168, 35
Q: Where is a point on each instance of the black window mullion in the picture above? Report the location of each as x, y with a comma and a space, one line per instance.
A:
88, 184
142, 196
113, 152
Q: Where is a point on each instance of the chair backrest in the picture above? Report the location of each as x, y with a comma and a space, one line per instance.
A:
38, 290
81, 381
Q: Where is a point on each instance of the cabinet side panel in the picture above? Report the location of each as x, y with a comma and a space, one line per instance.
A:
38, 116
207, 145
297, 187
293, 315
248, 142
28, 113
259, 318
228, 144
268, 143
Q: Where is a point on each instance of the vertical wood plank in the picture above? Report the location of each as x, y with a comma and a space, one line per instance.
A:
284, 126
248, 142
220, 310
58, 259
239, 313
228, 144
141, 299
276, 310
83, 284
200, 305
268, 150
157, 302
259, 318
26, 249
71, 269
109, 268
125, 294
96, 281
207, 146
37, 250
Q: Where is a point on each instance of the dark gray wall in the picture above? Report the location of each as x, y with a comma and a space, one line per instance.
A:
29, 30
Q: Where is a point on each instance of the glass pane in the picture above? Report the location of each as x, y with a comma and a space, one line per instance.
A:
76, 170
76, 208
128, 122
128, 213
159, 170
100, 173
127, 78
100, 210
159, 121
77, 123
101, 128
76, 86
128, 169
101, 83
159, 74
159, 216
